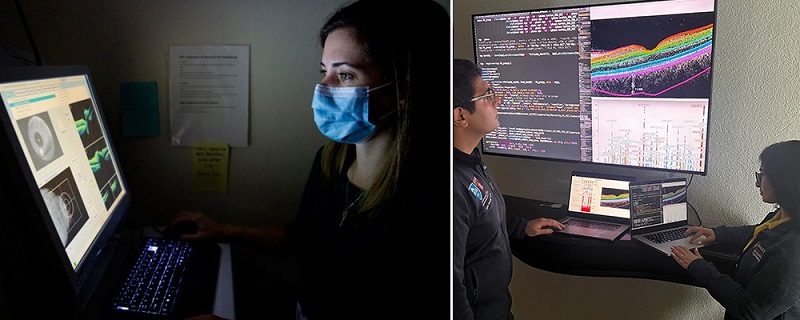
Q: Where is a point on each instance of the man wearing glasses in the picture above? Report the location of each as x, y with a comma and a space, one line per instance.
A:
481, 230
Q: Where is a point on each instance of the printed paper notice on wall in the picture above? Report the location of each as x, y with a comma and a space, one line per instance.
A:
209, 94
210, 167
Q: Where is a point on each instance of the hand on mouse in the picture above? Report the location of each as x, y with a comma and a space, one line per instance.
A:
206, 227
179, 228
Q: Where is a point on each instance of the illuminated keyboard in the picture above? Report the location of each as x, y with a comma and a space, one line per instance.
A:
152, 283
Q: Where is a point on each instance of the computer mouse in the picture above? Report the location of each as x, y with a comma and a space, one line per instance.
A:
175, 230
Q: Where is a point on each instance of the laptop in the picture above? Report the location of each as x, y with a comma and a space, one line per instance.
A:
659, 214
598, 206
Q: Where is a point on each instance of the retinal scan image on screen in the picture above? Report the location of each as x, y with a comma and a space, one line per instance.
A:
40, 139
622, 84
65, 205
56, 121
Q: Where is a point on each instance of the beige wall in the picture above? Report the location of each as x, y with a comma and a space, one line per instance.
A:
754, 104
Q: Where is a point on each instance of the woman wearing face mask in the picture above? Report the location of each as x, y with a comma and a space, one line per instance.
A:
366, 240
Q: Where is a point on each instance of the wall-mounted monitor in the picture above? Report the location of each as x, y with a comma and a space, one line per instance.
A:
625, 84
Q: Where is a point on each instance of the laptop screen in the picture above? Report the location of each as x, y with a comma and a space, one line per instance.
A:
600, 195
658, 203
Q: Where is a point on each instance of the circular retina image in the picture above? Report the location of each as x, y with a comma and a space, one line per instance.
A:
42, 144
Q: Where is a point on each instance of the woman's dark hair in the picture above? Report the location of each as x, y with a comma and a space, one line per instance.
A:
779, 162
465, 73
417, 65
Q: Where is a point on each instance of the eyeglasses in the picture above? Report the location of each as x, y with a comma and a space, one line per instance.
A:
490, 95
759, 174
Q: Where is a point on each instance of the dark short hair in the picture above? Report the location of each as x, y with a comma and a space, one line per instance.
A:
465, 74
779, 163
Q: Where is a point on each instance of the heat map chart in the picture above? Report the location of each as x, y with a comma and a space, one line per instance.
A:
674, 61
97, 151
673, 195
86, 121
615, 198
100, 161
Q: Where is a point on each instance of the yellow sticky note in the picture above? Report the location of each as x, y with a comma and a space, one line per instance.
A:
210, 167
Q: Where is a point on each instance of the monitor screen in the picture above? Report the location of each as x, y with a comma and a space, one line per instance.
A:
661, 202
599, 195
58, 134
625, 84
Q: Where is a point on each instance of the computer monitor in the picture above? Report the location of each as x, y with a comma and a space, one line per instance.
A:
623, 84
69, 170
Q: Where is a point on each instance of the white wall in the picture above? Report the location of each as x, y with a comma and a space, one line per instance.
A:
754, 104
125, 41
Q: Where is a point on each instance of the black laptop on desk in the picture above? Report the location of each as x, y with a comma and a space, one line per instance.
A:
73, 196
598, 206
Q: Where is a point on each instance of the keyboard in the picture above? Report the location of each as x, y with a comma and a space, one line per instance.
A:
152, 284
597, 225
667, 235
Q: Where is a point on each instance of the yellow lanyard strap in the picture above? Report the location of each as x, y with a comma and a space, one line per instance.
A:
769, 224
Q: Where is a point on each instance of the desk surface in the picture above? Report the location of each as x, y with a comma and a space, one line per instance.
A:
574, 255
223, 301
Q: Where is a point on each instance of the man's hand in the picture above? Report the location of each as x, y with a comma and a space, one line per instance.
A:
542, 226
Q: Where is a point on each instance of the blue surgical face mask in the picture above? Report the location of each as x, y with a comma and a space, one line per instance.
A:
342, 113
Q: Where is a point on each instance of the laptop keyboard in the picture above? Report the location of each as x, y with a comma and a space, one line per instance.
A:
152, 284
597, 225
667, 235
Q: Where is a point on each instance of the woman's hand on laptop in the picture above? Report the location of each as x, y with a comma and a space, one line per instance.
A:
699, 231
684, 256
542, 226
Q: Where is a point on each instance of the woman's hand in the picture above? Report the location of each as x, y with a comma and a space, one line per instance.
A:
684, 256
699, 231
207, 228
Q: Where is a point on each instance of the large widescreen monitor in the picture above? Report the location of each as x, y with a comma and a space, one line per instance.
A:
625, 84
58, 140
